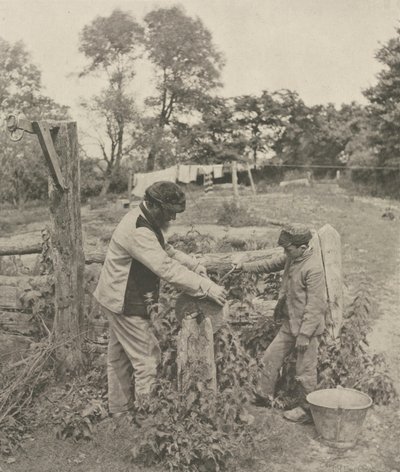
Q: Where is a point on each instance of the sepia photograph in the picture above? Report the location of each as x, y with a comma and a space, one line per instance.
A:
199, 235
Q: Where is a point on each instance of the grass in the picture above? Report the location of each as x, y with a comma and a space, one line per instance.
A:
13, 220
369, 246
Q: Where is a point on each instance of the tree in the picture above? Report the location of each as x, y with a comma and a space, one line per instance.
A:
187, 67
259, 119
313, 136
23, 174
216, 138
112, 45
19, 78
384, 112
291, 142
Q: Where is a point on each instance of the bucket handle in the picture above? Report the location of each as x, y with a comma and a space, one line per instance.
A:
338, 423
339, 410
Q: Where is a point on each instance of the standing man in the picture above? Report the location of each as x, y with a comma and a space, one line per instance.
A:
302, 305
137, 258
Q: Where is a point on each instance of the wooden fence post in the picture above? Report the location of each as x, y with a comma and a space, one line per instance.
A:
67, 251
235, 183
253, 187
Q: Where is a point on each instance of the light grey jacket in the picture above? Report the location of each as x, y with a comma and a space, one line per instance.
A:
129, 243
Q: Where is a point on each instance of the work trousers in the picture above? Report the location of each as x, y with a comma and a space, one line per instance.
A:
306, 363
133, 353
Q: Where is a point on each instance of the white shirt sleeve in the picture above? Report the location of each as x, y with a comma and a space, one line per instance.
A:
188, 261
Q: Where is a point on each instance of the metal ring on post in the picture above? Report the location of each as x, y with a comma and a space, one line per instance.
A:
12, 126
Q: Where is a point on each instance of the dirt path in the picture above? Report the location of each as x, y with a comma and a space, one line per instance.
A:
385, 337
288, 446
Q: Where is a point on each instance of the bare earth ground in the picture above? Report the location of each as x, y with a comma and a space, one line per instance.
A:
371, 251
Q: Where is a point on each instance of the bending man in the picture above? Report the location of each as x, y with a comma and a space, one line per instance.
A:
137, 258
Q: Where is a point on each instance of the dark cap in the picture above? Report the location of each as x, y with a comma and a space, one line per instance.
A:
168, 195
296, 234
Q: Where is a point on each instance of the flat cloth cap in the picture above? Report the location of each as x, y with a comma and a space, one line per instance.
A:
296, 234
167, 194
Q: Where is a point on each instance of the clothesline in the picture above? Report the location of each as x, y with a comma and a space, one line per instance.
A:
184, 173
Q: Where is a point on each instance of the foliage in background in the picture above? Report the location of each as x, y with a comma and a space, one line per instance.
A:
194, 430
23, 173
384, 114
187, 67
345, 362
349, 363
216, 138
235, 215
112, 45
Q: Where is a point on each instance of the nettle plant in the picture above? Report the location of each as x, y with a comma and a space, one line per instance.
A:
196, 429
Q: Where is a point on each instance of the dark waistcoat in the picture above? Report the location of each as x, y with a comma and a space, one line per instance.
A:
143, 286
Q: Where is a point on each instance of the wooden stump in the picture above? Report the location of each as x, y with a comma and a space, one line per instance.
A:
190, 306
199, 319
196, 355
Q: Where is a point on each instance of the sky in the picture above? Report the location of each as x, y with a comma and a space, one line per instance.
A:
323, 49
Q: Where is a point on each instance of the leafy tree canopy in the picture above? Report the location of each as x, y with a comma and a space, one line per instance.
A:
384, 108
112, 43
23, 174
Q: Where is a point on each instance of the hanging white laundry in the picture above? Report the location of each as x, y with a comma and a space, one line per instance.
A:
207, 169
217, 169
145, 180
193, 171
184, 174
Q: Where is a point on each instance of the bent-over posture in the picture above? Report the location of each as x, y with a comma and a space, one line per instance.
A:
137, 258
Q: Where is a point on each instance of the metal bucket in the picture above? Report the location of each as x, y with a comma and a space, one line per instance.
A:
339, 414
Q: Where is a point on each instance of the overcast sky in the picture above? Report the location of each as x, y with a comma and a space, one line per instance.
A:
323, 49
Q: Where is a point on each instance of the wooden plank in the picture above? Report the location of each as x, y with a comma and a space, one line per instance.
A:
220, 262
12, 288
208, 259
330, 245
9, 297
235, 180
19, 249
17, 322
13, 347
212, 261
295, 183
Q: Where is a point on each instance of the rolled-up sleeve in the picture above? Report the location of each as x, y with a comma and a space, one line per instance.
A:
275, 264
145, 248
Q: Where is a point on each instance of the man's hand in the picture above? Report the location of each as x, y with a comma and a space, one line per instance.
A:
217, 294
201, 270
302, 343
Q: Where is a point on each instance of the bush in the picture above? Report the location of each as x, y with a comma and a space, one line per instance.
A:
91, 179
232, 214
345, 362
196, 430
119, 181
